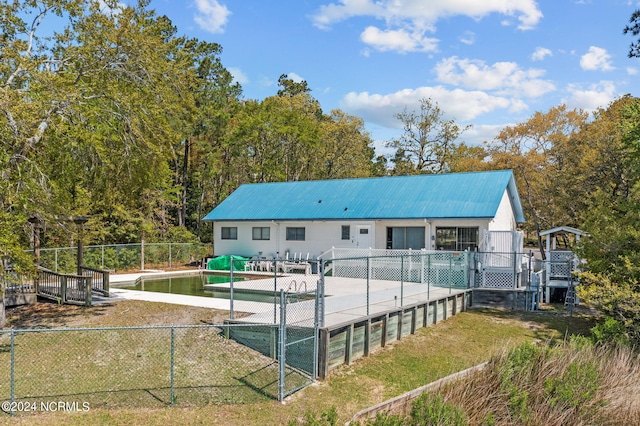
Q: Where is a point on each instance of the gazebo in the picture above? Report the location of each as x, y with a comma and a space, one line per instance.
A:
561, 261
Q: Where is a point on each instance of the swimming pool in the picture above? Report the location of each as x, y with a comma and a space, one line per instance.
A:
194, 285
190, 284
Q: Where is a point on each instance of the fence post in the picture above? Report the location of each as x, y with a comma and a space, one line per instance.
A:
231, 288
172, 396
63, 289
170, 265
320, 292
13, 368
142, 254
282, 344
428, 276
450, 272
368, 265
401, 281
87, 289
422, 266
275, 293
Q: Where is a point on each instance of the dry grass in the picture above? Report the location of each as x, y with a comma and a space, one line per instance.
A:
560, 385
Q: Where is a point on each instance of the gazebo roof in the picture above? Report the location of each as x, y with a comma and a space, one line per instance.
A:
563, 230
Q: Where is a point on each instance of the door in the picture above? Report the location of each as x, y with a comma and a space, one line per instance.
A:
364, 239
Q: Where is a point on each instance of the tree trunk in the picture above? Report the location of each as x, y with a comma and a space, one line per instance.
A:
182, 212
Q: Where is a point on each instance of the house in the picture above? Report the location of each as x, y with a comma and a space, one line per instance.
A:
433, 212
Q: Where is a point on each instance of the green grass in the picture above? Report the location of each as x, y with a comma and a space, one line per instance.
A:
460, 342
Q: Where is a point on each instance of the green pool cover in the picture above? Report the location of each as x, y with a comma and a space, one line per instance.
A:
222, 263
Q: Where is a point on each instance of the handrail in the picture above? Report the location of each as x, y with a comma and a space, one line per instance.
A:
64, 288
99, 280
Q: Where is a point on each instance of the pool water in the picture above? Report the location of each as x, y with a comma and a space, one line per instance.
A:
193, 285
190, 285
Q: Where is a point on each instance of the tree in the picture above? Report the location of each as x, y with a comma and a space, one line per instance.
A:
542, 153
634, 29
467, 158
91, 116
346, 150
290, 87
427, 141
611, 281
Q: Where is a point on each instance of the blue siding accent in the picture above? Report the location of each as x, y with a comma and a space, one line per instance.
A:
455, 195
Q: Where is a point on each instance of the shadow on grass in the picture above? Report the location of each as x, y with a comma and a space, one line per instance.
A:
552, 318
158, 397
48, 314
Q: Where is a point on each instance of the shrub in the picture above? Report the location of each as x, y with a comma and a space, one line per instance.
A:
431, 409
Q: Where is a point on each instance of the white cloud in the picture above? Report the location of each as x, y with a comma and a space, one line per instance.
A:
469, 37
596, 59
632, 71
238, 75
591, 98
212, 16
505, 78
398, 40
420, 11
541, 53
408, 21
458, 104
295, 77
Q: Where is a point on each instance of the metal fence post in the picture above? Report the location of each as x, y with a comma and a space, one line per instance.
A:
401, 281
231, 288
275, 294
450, 272
368, 263
170, 266
282, 344
12, 385
320, 292
428, 276
172, 395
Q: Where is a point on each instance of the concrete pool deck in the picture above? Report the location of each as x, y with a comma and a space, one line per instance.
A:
346, 298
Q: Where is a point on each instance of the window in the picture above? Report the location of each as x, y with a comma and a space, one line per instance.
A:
405, 237
457, 238
261, 233
295, 234
229, 233
346, 232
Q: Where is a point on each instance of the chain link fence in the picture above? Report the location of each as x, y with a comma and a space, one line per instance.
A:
122, 367
123, 257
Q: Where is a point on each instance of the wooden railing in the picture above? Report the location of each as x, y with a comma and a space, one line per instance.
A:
15, 283
64, 288
99, 279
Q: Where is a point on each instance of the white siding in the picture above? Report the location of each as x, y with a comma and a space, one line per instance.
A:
320, 236
504, 219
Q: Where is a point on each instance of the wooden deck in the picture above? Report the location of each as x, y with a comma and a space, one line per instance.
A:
62, 288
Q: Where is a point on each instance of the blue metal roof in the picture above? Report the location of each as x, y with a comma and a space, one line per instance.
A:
455, 195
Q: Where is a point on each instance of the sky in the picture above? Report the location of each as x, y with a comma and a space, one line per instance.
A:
487, 63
